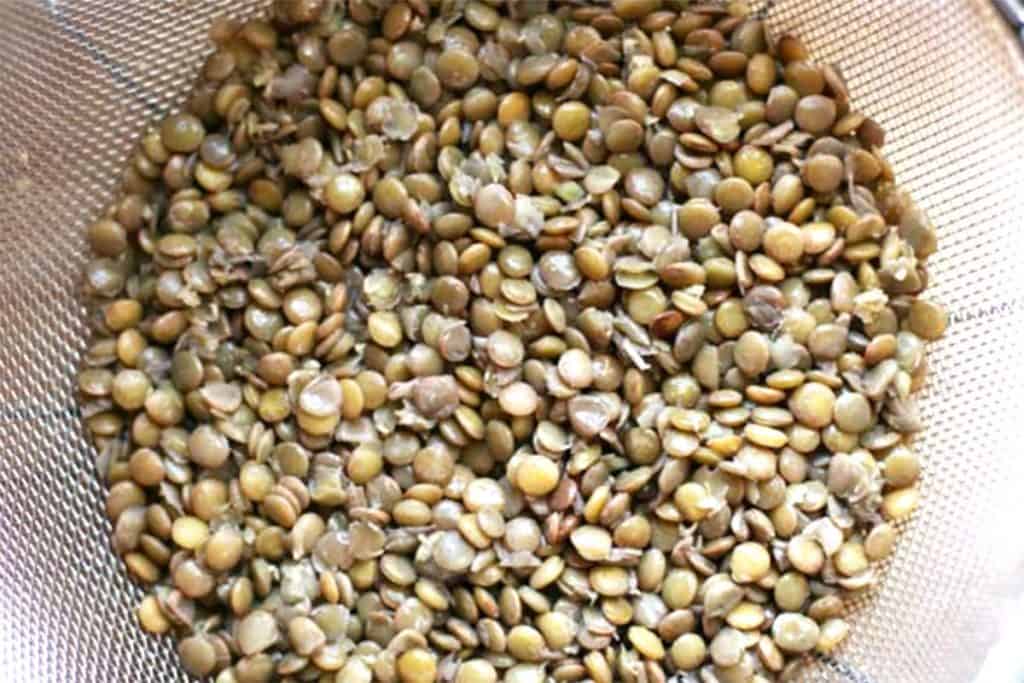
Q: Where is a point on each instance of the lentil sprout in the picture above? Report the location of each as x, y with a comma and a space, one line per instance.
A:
479, 341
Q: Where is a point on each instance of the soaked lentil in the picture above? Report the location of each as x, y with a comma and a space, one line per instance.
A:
476, 342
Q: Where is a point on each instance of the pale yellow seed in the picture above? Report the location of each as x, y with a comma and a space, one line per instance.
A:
598, 668
833, 632
355, 670
680, 588
558, 629
151, 617
750, 562
746, 616
365, 463
189, 532
476, 671
609, 581
525, 643
547, 573
765, 436
688, 651
518, 399
619, 611
431, 595
363, 574
595, 504
537, 475
805, 555
385, 329
352, 399
141, 567
646, 642
593, 543
417, 666
901, 503
880, 542
851, 559
470, 530
693, 501
482, 494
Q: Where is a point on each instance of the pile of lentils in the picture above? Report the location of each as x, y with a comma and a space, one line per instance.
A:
475, 341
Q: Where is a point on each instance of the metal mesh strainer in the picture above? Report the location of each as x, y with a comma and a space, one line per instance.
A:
81, 77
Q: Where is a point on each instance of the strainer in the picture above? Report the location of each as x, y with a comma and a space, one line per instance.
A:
79, 80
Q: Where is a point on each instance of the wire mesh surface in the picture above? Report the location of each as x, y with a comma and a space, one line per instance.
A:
79, 81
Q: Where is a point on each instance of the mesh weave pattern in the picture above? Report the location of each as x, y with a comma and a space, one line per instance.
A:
81, 78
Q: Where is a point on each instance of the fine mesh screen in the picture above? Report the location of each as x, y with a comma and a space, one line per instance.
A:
81, 78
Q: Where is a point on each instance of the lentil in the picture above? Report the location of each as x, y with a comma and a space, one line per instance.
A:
498, 343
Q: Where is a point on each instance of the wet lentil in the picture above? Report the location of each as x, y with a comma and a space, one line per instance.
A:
456, 322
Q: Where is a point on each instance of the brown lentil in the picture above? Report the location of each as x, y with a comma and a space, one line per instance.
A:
504, 345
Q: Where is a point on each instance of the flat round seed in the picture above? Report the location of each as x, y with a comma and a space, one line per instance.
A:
813, 404
526, 643
344, 193
795, 632
537, 475
696, 218
385, 329
718, 123
522, 534
753, 165
927, 320
476, 671
815, 114
495, 206
182, 133
850, 559
457, 69
902, 467
130, 389
734, 195
198, 655
365, 463
609, 581
752, 353
646, 642
189, 532
601, 179
645, 185
417, 666
224, 549
256, 632
571, 121
749, 562
518, 399
852, 412
625, 135
727, 648
805, 555
151, 616
452, 553
208, 447
784, 243
505, 349
592, 543
823, 173
483, 493
688, 651
880, 542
